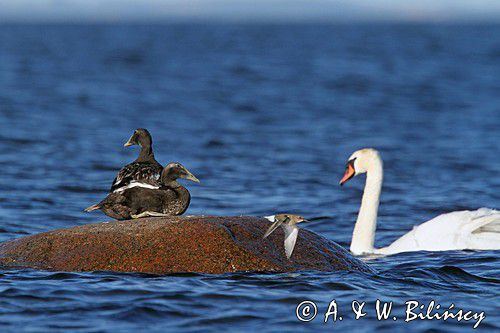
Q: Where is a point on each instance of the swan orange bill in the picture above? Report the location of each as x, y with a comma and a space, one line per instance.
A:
349, 173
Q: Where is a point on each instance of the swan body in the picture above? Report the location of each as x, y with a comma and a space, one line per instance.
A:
460, 230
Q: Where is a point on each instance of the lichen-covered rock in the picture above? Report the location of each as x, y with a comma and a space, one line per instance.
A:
208, 244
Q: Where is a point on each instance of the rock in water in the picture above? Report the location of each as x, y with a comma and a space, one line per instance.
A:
206, 244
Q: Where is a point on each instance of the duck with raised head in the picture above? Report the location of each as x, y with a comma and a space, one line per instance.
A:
145, 171
171, 198
459, 230
289, 224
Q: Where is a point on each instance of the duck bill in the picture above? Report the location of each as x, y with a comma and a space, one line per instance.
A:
190, 176
130, 142
349, 173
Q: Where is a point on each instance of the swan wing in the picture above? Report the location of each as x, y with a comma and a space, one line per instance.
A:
460, 230
483, 233
291, 233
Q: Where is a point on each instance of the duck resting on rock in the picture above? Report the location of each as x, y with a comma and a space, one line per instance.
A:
171, 198
145, 170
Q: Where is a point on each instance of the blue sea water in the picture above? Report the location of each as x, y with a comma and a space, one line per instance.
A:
265, 116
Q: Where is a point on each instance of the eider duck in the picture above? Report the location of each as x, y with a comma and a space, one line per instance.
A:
289, 224
171, 198
145, 170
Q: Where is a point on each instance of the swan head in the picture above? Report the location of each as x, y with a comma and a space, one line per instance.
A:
360, 162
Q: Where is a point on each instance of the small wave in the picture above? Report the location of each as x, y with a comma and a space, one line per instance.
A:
453, 272
229, 319
145, 312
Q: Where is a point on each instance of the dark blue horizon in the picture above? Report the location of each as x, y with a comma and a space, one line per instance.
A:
250, 11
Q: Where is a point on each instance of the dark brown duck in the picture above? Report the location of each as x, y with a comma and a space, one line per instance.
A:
145, 169
171, 198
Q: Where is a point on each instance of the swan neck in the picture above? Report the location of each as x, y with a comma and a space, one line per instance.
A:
363, 237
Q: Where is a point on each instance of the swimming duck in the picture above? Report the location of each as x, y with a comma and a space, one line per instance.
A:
171, 198
145, 170
289, 224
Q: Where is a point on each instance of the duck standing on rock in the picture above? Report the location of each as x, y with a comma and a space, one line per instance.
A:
145, 170
171, 198
289, 224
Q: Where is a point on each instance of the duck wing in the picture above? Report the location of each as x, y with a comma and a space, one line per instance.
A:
137, 174
175, 200
115, 205
170, 201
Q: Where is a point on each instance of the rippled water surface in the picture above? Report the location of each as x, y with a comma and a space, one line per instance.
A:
266, 117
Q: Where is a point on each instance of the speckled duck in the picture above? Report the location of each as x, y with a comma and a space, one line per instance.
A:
145, 171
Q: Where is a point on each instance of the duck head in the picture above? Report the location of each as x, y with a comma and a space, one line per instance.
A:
360, 162
141, 137
286, 218
174, 171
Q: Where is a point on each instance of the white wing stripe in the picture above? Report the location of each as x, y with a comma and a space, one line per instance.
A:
136, 184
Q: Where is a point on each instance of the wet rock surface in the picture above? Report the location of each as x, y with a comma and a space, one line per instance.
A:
206, 244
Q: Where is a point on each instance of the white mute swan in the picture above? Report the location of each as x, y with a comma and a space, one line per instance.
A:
475, 230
